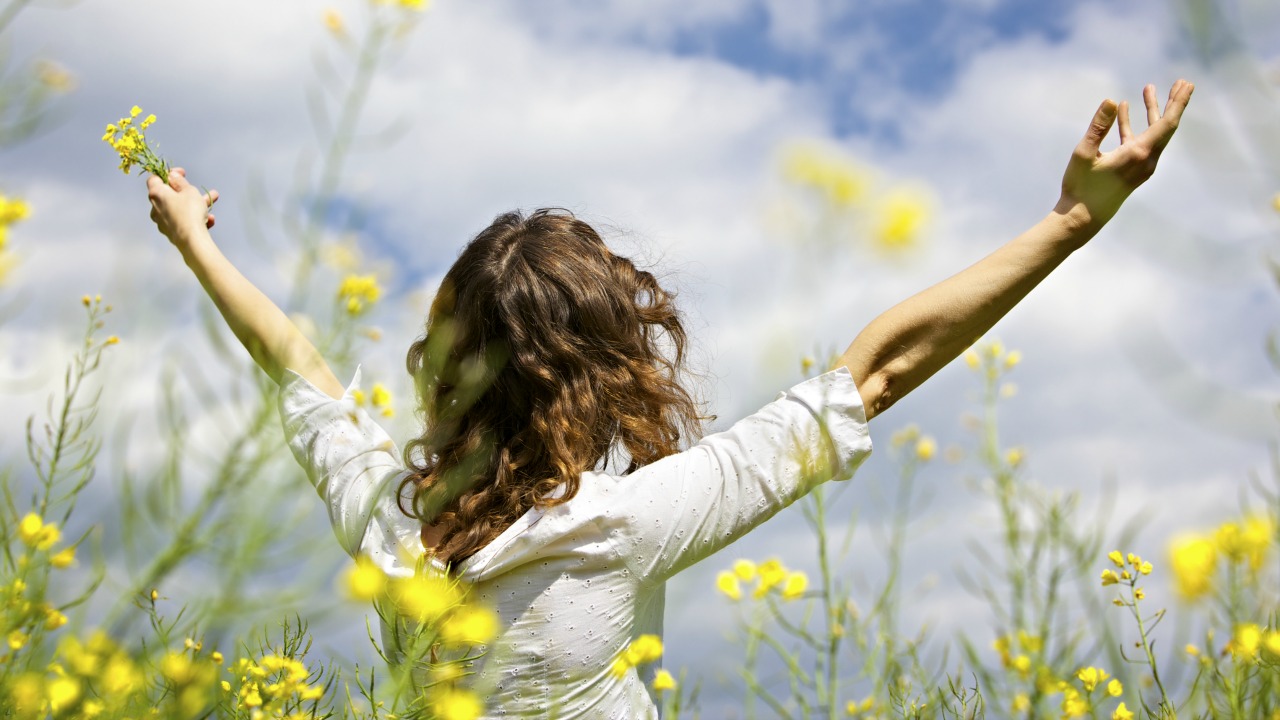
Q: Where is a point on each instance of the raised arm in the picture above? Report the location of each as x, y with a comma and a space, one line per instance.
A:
182, 214
903, 347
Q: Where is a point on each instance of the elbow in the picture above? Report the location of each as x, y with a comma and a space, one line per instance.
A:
878, 391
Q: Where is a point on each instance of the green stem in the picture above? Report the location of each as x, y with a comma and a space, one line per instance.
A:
336, 154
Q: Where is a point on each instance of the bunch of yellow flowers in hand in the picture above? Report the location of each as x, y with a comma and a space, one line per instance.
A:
128, 140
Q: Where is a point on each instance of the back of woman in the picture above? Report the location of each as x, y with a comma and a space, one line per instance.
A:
543, 357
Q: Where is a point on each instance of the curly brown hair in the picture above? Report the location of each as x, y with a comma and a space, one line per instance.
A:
542, 351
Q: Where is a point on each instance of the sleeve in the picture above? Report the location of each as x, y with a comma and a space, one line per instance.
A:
672, 513
354, 466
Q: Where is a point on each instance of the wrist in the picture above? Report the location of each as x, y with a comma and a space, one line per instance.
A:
1073, 220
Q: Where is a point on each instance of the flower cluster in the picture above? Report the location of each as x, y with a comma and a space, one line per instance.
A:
358, 292
11, 211
769, 575
924, 446
271, 684
129, 142
1131, 567
1194, 558
1250, 642
379, 397
87, 677
897, 218
642, 650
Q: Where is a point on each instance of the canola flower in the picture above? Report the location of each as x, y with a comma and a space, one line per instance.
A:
358, 292
663, 681
1194, 561
769, 575
11, 211
902, 219
837, 179
457, 704
643, 649
36, 533
130, 143
364, 581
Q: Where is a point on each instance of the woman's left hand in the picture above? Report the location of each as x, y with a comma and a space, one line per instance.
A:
1097, 183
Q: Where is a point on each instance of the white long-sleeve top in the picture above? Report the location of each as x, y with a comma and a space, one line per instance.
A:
575, 583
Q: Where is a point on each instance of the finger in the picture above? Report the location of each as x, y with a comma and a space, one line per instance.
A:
1098, 129
1179, 96
1126, 130
1153, 109
209, 221
178, 179
211, 198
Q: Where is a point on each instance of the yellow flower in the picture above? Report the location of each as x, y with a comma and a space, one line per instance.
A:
1192, 650
902, 219
1022, 664
796, 583
135, 111
1275, 202
1090, 677
454, 704
1194, 561
53, 618
62, 692
1109, 578
772, 574
1116, 558
34, 532
644, 649
1272, 643
745, 570
470, 625
17, 639
1013, 457
727, 583
1073, 704
54, 76
365, 581
1030, 643
1021, 703
663, 681
972, 359
841, 182
333, 21
926, 448
414, 4
1115, 688
359, 291
1248, 639
1121, 713
63, 558
381, 398
1012, 359
1139, 594
426, 598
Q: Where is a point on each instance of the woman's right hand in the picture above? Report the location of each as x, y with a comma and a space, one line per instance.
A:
179, 207
1097, 183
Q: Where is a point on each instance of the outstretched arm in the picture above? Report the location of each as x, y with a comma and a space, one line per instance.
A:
275, 343
911, 341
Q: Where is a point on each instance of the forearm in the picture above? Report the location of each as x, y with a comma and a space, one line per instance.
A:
273, 341
911, 341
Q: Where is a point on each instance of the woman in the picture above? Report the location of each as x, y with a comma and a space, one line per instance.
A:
543, 359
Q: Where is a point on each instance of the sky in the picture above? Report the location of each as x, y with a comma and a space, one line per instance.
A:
1145, 381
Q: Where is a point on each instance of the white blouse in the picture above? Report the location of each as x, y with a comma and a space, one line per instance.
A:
575, 583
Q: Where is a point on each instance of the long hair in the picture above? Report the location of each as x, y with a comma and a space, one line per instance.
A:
542, 350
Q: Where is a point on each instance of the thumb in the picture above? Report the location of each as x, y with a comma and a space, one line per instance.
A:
1098, 129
